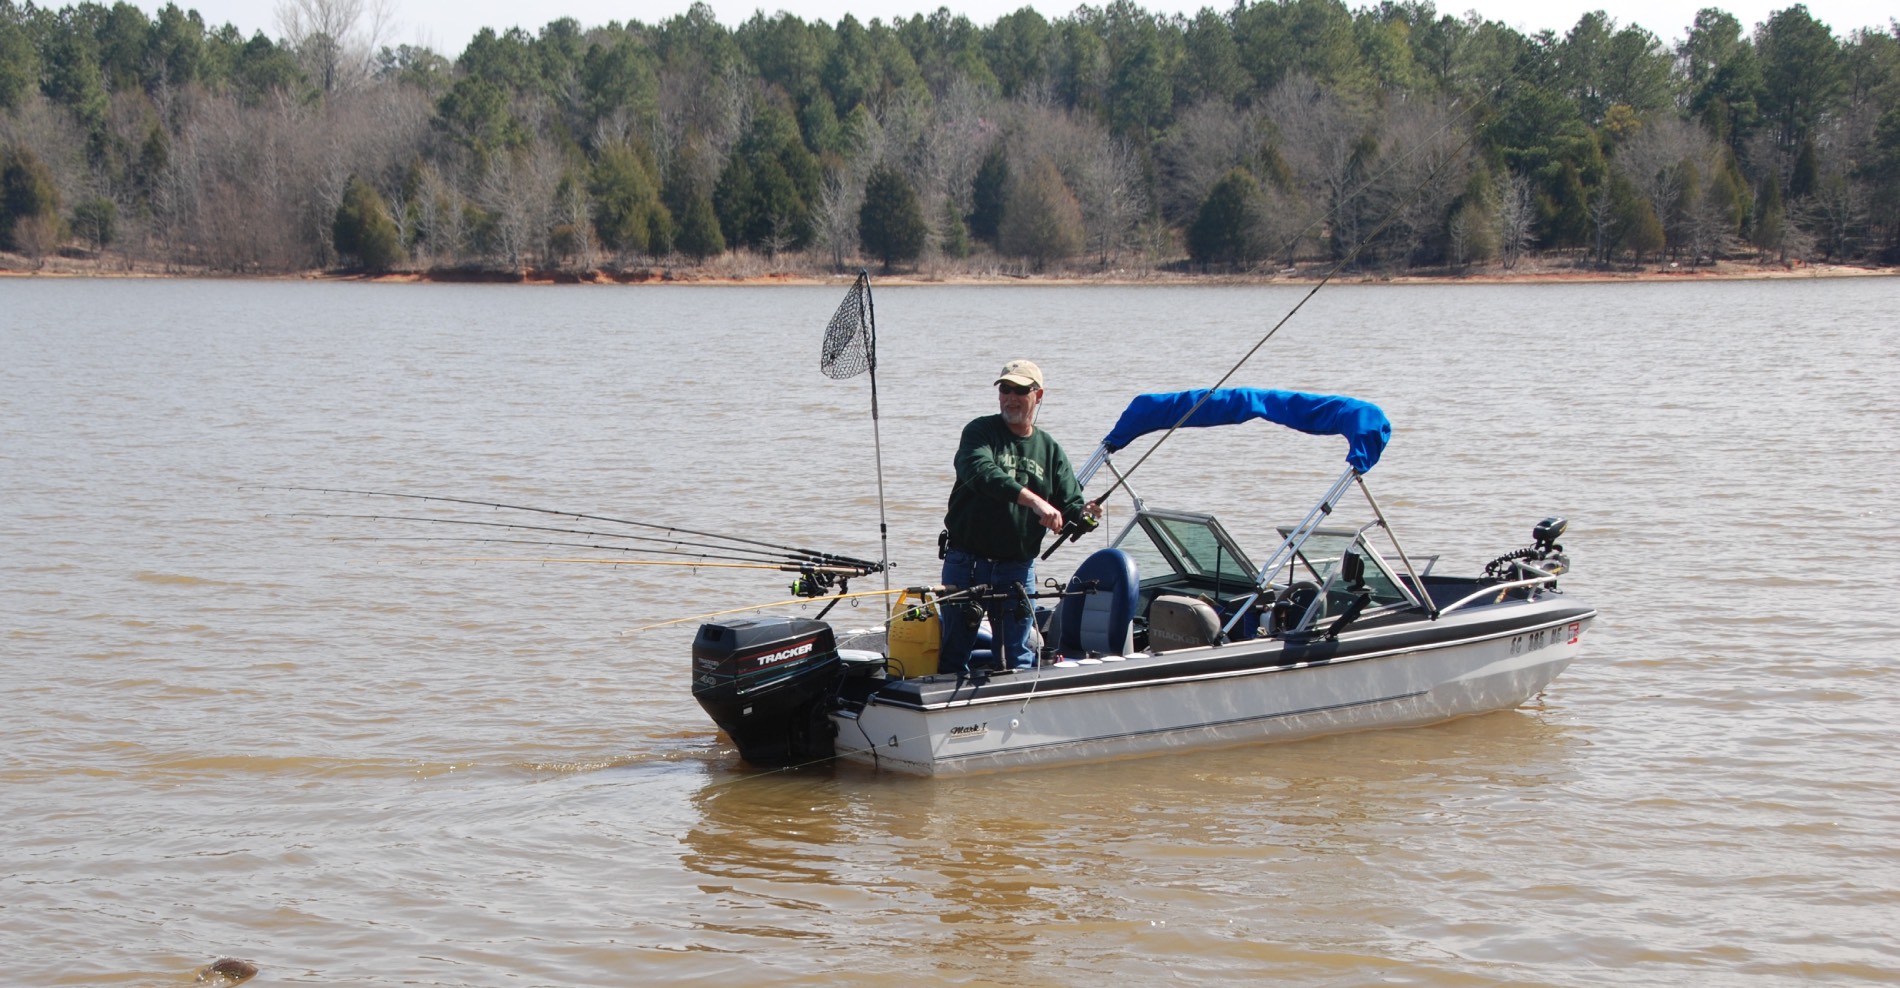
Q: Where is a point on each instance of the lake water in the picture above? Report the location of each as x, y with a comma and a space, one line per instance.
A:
229, 732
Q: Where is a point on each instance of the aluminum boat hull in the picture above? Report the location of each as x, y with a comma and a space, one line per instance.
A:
1405, 674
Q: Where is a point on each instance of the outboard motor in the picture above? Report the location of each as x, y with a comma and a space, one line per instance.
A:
768, 683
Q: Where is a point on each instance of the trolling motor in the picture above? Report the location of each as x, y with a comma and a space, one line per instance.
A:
1545, 555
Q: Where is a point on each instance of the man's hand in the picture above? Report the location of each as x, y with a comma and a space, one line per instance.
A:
1048, 515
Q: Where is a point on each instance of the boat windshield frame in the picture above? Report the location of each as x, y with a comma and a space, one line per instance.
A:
1388, 593
1171, 547
1161, 544
1186, 558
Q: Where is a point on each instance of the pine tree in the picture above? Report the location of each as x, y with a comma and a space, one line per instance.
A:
890, 223
988, 192
1807, 172
1565, 208
1222, 231
95, 220
1043, 219
955, 239
699, 236
1771, 219
29, 202
363, 230
1638, 229
625, 199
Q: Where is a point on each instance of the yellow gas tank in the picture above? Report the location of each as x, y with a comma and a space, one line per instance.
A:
915, 636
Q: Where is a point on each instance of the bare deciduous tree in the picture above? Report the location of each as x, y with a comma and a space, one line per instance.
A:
573, 218
1516, 217
835, 218
1208, 140
950, 149
1460, 232
1708, 227
1324, 137
518, 194
1602, 225
335, 39
1109, 182
1656, 159
1835, 214
441, 218
245, 175
701, 116
1423, 163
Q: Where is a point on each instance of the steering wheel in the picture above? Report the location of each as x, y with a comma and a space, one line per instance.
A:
1293, 602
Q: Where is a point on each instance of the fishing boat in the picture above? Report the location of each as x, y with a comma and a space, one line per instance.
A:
1172, 637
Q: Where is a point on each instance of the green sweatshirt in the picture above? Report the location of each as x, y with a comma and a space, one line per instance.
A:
993, 466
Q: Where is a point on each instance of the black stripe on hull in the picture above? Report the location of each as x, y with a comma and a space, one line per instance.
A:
1261, 655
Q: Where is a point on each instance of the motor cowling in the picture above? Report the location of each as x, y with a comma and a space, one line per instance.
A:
768, 683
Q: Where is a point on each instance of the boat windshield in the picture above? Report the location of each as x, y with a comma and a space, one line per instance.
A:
1169, 547
1324, 550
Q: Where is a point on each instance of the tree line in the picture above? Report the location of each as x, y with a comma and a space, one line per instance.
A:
1390, 137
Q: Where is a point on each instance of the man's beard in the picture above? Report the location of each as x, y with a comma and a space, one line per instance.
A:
1016, 418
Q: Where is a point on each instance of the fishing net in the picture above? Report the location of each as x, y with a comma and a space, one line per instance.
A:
849, 350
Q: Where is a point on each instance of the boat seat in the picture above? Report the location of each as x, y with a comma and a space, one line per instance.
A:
1176, 622
1103, 622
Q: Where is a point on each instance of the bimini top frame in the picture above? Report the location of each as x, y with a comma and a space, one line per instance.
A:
1363, 425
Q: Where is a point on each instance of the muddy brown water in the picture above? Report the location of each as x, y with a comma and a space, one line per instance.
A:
231, 733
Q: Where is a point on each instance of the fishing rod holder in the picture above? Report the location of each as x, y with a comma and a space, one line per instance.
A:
982, 593
819, 580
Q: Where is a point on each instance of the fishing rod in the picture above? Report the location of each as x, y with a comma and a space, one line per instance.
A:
783, 568
736, 561
750, 554
813, 553
978, 592
834, 598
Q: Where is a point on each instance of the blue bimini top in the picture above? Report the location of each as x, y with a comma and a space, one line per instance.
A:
1365, 427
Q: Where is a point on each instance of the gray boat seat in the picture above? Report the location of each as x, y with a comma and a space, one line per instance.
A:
1177, 622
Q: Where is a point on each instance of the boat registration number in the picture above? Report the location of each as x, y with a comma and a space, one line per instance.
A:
1568, 634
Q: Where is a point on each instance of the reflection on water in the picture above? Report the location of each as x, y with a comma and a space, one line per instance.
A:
230, 736
1044, 870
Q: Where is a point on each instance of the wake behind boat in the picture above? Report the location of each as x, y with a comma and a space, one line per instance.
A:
1172, 638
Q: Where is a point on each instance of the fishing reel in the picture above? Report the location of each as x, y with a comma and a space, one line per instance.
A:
1072, 530
815, 583
819, 580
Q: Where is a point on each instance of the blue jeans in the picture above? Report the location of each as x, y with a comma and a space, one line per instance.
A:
1010, 619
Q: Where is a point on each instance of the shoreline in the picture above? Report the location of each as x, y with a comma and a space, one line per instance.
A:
726, 275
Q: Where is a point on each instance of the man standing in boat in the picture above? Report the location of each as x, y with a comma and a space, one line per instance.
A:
1014, 486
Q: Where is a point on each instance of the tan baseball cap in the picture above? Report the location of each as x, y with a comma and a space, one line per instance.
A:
1022, 373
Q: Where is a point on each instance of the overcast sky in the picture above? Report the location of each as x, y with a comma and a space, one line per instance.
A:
447, 25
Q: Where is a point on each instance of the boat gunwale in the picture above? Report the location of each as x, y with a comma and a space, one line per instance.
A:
1038, 688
